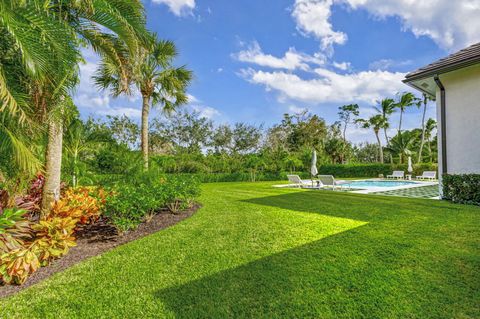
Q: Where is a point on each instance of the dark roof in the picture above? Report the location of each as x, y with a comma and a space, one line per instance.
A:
461, 59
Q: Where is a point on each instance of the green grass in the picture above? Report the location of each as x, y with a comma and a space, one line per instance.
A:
254, 251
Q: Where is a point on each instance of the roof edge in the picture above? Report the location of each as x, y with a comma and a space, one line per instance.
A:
442, 70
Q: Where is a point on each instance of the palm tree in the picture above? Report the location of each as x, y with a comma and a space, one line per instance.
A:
386, 108
405, 101
426, 98
152, 73
376, 122
49, 35
401, 145
429, 128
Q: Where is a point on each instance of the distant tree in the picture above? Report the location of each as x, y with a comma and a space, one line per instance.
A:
124, 130
386, 109
376, 122
245, 138
426, 98
405, 100
222, 139
347, 114
401, 145
186, 131
366, 153
430, 127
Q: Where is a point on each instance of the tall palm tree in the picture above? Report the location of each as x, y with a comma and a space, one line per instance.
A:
152, 73
376, 122
426, 98
49, 35
430, 126
405, 101
386, 109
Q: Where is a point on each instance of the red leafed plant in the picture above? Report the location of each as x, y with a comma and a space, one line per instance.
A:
32, 200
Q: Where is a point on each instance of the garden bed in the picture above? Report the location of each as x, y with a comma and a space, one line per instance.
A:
95, 239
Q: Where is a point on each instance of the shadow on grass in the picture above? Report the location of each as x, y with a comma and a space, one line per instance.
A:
369, 271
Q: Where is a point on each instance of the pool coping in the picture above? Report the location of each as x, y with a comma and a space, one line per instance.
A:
380, 189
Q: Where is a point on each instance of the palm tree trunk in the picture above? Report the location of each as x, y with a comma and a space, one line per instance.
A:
144, 141
53, 165
400, 123
380, 149
423, 132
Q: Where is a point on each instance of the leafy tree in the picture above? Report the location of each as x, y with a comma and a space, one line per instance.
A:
376, 122
401, 145
187, 131
123, 130
245, 138
347, 114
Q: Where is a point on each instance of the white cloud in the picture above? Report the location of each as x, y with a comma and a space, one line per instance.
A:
452, 24
312, 17
328, 86
386, 64
178, 7
292, 59
344, 66
119, 111
90, 100
206, 111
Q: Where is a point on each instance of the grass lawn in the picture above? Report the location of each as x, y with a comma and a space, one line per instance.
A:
255, 251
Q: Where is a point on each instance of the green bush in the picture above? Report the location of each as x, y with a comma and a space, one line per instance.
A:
463, 189
132, 200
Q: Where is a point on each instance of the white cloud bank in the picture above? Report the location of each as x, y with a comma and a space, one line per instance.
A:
292, 60
328, 86
178, 7
452, 24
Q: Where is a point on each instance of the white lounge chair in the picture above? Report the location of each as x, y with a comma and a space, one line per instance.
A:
295, 180
428, 175
397, 175
329, 181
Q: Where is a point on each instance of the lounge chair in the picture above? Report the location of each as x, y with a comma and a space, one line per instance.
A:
295, 180
329, 181
428, 175
397, 175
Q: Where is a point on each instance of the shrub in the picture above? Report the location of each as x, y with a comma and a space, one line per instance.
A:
32, 200
463, 189
14, 229
128, 204
53, 238
17, 265
84, 204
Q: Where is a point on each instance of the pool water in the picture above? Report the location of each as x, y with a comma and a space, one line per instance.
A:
383, 184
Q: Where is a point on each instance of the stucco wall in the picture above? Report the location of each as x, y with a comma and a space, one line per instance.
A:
463, 120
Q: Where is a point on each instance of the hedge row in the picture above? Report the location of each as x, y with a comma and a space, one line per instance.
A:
463, 189
372, 170
345, 170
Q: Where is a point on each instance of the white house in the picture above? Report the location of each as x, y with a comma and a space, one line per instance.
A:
454, 82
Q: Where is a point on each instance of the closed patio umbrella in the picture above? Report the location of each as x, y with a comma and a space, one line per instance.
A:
313, 167
410, 168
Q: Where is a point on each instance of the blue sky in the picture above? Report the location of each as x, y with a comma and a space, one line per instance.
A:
255, 60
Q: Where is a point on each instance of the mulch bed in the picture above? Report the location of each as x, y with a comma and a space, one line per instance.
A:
95, 239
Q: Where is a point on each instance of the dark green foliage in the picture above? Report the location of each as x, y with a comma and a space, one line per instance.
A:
133, 198
463, 189
371, 170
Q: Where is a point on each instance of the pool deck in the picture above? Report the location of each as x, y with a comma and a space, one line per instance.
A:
369, 190
389, 191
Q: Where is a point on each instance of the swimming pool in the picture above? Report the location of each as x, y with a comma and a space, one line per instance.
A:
378, 184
